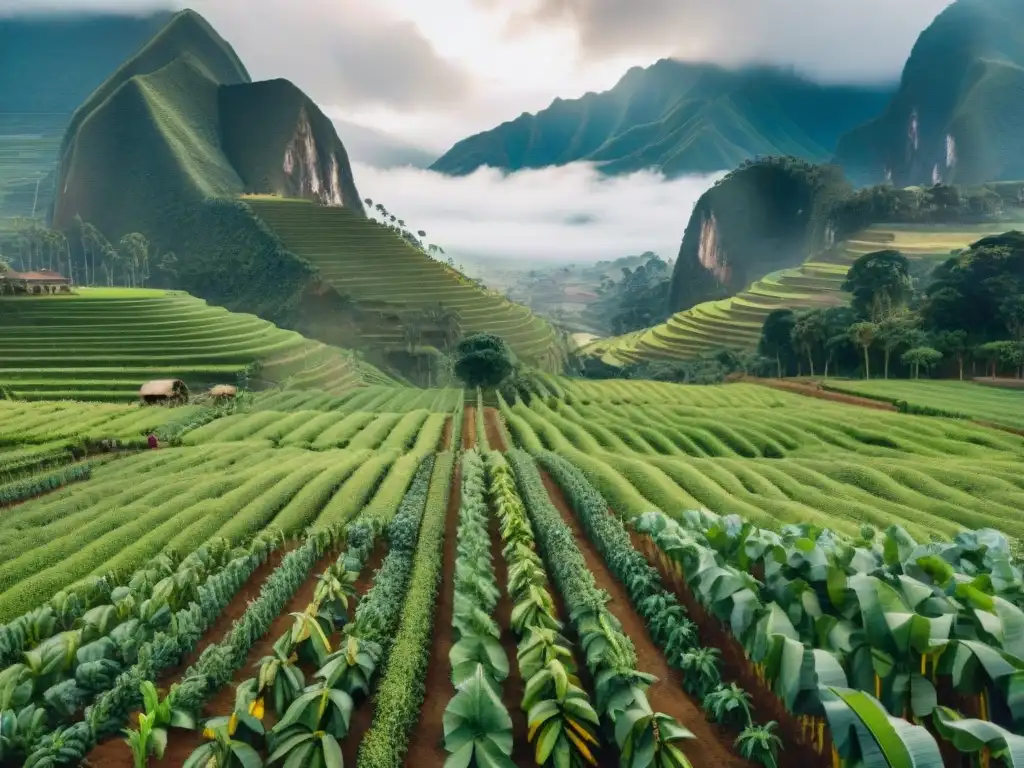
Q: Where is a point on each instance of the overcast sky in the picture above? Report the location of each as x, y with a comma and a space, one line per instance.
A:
436, 71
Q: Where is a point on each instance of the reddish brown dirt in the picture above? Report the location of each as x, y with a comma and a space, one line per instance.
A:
512, 688
712, 746
469, 428
736, 669
493, 429
426, 742
812, 390
115, 753
446, 438
988, 381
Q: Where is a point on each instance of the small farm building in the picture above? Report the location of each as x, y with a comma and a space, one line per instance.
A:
164, 392
43, 281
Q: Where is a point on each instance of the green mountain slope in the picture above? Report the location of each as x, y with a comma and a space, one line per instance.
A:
167, 144
959, 111
50, 64
679, 118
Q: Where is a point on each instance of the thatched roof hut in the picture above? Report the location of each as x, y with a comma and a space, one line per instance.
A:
226, 391
164, 391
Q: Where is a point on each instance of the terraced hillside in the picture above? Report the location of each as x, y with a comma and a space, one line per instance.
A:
736, 322
367, 262
102, 344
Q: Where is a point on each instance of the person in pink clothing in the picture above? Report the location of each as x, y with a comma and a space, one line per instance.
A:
153, 441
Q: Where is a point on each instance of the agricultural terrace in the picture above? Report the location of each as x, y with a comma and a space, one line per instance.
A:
28, 154
967, 399
817, 283
389, 577
366, 261
103, 343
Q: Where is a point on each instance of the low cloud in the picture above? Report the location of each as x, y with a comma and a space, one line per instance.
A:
570, 213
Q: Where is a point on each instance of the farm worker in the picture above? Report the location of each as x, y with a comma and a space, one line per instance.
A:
152, 440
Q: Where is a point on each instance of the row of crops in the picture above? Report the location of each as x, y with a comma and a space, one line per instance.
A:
376, 399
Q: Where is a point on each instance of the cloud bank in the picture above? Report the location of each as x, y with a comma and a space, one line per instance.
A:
570, 213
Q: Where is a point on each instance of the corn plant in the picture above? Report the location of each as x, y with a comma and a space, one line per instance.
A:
729, 705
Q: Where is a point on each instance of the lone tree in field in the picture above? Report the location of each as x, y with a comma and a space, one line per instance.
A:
919, 357
880, 284
483, 360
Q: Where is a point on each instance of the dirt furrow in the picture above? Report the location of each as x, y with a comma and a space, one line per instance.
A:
426, 745
492, 427
712, 746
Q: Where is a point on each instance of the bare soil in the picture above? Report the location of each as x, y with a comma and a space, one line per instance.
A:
426, 742
712, 746
1005, 383
513, 687
114, 753
446, 438
494, 431
736, 669
813, 390
469, 428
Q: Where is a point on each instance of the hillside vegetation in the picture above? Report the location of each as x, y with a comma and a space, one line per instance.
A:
370, 265
160, 149
103, 344
957, 115
678, 118
735, 322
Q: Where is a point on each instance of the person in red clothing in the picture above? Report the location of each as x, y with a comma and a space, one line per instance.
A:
152, 441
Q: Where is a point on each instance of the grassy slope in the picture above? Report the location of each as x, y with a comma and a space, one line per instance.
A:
104, 343
736, 321
682, 118
364, 260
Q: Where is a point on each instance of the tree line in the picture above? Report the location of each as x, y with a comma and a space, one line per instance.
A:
85, 255
970, 311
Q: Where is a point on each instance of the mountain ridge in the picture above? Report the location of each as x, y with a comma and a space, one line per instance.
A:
676, 117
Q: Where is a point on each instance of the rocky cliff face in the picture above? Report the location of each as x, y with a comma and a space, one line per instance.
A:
957, 116
767, 215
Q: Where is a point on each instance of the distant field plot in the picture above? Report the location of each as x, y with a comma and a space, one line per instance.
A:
177, 499
378, 399
43, 423
103, 344
999, 406
418, 431
736, 321
28, 160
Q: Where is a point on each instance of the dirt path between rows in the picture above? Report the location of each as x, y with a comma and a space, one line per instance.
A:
513, 687
812, 390
712, 746
736, 668
426, 742
469, 428
115, 753
446, 438
494, 430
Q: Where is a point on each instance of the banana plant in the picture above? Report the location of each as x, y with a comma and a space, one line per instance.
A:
222, 750
473, 651
760, 744
280, 678
649, 739
335, 589
477, 727
351, 668
980, 737
540, 646
729, 705
562, 723
308, 635
319, 708
534, 607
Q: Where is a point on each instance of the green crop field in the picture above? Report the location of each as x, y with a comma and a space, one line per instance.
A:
736, 321
364, 260
964, 398
391, 557
29, 145
103, 344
